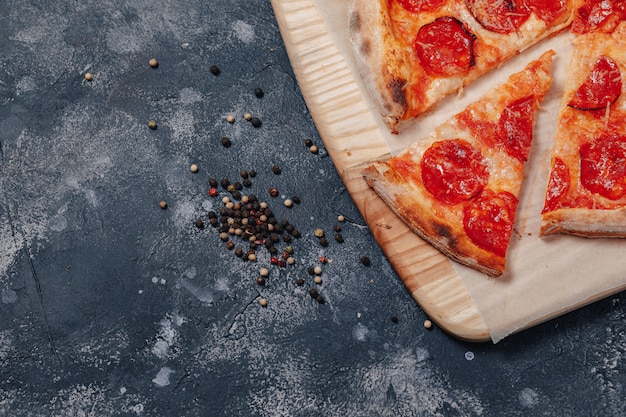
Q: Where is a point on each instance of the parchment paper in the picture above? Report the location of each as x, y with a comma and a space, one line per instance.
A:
544, 276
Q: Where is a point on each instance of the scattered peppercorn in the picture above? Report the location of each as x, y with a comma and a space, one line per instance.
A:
273, 192
163, 204
256, 122
88, 76
215, 70
308, 143
153, 63
252, 173
226, 142
247, 116
230, 245
365, 260
313, 293
317, 279
263, 302
394, 319
193, 168
319, 232
341, 218
319, 299
296, 199
428, 324
317, 270
199, 224
339, 238
152, 124
258, 92
323, 241
260, 281
288, 203
225, 183
276, 169
313, 149
299, 282
230, 118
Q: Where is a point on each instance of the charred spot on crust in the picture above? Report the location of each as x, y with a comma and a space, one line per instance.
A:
445, 233
396, 86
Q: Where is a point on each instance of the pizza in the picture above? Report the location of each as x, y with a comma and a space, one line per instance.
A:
586, 192
458, 188
413, 53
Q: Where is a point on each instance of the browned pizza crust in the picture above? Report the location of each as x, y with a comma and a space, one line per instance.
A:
418, 216
585, 222
379, 59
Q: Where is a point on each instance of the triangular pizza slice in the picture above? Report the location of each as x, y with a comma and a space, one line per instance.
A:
458, 188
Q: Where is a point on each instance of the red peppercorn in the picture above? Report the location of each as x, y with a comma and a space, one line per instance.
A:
323, 259
213, 192
274, 192
274, 260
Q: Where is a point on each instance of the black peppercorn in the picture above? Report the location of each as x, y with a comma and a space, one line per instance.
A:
252, 173
295, 199
199, 224
226, 142
239, 252
319, 299
256, 122
212, 182
260, 281
339, 238
215, 70
308, 143
323, 241
230, 245
258, 92
276, 169
246, 183
225, 182
313, 293
394, 319
365, 260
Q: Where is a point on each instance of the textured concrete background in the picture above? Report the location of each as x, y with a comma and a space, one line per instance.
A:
111, 306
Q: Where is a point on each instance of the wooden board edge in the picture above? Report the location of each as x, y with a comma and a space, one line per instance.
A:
427, 274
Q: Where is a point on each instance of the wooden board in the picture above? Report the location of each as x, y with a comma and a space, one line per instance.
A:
353, 139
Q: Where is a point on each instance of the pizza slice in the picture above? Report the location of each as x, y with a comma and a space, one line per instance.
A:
586, 192
413, 53
458, 188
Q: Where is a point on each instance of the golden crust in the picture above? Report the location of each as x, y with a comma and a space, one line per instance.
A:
585, 222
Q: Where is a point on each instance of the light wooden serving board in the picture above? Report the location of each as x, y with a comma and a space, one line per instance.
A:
353, 139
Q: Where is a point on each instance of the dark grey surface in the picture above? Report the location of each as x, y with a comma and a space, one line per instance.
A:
111, 306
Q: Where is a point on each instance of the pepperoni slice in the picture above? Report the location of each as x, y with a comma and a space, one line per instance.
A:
558, 185
602, 87
603, 166
594, 15
416, 6
444, 47
547, 10
500, 16
453, 170
515, 127
488, 220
